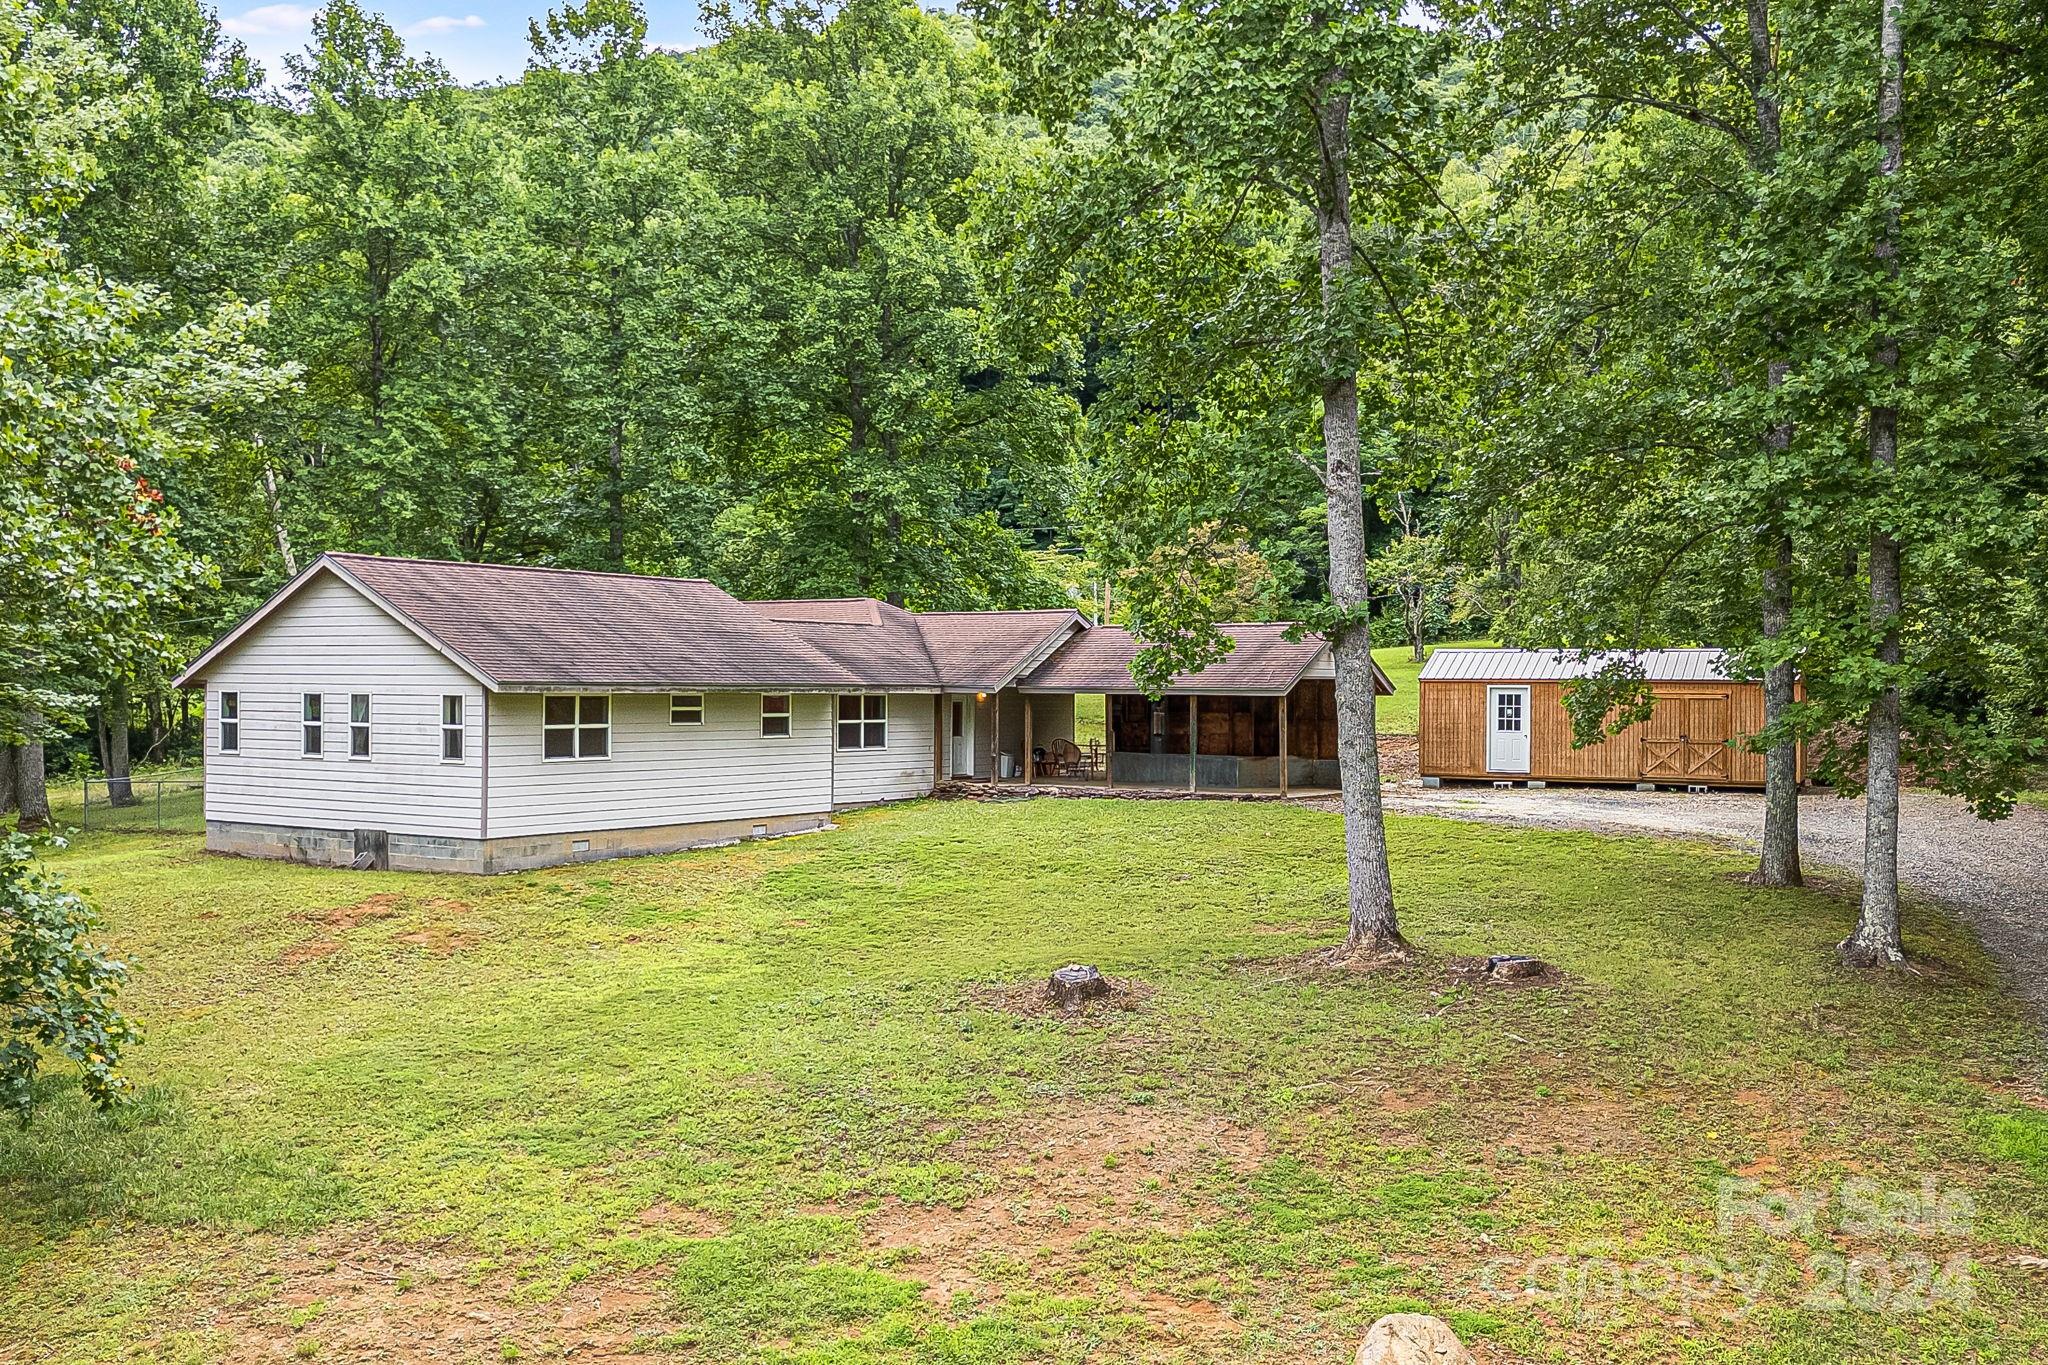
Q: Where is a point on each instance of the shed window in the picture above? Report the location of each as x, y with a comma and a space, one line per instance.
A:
359, 725
775, 717
230, 722
1507, 711
309, 724
686, 708
451, 728
864, 722
576, 727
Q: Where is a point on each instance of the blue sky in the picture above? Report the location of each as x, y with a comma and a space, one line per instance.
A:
478, 40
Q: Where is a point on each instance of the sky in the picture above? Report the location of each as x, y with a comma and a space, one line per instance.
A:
477, 40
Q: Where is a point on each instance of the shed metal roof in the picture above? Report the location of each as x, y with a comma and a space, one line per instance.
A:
1546, 665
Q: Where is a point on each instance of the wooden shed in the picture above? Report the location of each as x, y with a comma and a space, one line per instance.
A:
1494, 714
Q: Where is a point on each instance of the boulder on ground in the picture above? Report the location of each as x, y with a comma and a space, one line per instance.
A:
1412, 1339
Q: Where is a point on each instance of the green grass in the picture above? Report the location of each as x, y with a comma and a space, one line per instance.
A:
768, 1087
1397, 714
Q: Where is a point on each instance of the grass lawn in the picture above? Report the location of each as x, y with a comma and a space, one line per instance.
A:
766, 1104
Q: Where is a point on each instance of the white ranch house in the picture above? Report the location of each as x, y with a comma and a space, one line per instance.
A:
485, 718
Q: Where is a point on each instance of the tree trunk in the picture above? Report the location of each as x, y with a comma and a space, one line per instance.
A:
1374, 928
1876, 941
1778, 864
275, 506
120, 787
7, 762
1417, 603
30, 796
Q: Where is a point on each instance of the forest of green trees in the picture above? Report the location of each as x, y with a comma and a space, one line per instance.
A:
1584, 325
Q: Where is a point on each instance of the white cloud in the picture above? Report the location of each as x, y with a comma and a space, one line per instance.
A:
441, 23
268, 21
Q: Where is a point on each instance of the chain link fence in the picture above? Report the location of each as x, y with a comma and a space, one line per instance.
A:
166, 803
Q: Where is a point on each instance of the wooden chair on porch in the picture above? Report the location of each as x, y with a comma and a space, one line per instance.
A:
1063, 759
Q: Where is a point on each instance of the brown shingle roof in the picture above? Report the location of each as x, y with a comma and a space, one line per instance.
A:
1264, 663
528, 627
980, 651
875, 642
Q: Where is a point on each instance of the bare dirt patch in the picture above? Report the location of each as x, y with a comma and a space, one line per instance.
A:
348, 1297
440, 939
1052, 1181
308, 950
1029, 999
682, 1220
383, 905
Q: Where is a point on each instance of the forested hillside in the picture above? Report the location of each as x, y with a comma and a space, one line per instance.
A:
1584, 325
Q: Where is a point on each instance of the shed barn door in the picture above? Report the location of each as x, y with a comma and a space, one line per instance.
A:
1686, 739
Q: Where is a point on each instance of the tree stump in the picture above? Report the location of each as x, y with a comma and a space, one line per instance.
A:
1074, 985
1514, 968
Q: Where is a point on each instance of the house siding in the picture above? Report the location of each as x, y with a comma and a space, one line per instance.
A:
900, 771
660, 774
331, 640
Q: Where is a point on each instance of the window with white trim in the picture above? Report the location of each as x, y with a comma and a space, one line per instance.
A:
309, 724
231, 722
451, 728
359, 725
577, 726
775, 716
686, 708
864, 722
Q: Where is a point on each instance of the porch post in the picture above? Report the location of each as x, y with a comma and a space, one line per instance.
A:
1026, 755
1109, 740
942, 730
1194, 714
1283, 746
995, 738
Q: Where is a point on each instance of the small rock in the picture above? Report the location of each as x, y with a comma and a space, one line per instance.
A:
1074, 984
1412, 1339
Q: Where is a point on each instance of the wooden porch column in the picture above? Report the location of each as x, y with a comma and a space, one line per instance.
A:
1283, 746
942, 730
995, 738
1108, 741
1194, 713
1026, 755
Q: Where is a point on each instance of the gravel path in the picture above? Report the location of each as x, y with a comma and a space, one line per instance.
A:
1994, 874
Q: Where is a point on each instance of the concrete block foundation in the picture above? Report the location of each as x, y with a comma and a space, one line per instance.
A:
511, 853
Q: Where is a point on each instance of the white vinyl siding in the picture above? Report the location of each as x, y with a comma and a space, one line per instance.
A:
332, 641
901, 769
660, 773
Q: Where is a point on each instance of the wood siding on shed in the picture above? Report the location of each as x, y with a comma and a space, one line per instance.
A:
332, 640
903, 769
662, 774
1453, 729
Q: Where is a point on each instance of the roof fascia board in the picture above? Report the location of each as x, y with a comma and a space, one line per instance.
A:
1043, 650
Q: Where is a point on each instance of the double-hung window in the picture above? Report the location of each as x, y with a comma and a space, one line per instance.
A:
864, 722
576, 726
775, 716
309, 724
231, 722
451, 728
359, 725
686, 708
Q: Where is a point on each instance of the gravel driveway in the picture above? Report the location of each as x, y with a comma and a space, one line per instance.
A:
1993, 874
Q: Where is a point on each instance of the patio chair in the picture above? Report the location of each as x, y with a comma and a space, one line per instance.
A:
1063, 758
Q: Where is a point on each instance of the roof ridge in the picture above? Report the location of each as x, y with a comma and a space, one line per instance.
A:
521, 568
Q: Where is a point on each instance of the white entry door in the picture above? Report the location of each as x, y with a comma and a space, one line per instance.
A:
960, 752
1507, 729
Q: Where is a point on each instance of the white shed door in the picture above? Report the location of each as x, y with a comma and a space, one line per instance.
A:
1507, 729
